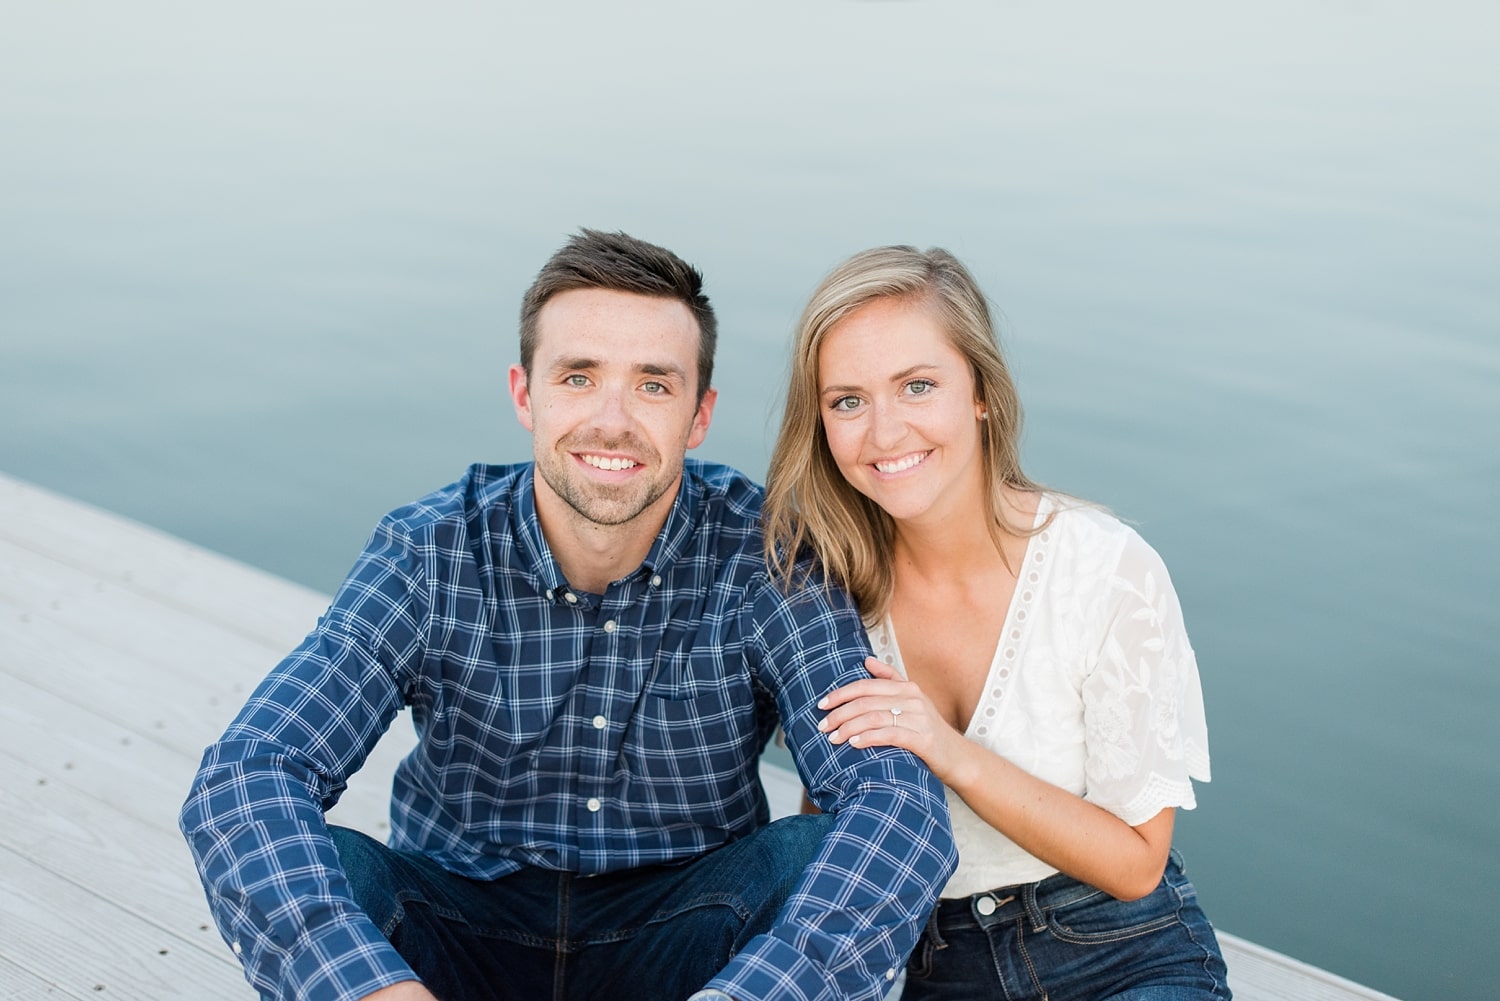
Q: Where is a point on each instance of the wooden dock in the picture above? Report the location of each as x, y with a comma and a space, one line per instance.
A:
123, 652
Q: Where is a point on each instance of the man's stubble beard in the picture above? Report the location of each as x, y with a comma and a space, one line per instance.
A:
601, 504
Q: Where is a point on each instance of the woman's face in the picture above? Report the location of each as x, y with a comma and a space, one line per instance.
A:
898, 408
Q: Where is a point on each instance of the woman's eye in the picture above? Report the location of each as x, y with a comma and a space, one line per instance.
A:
845, 404
919, 387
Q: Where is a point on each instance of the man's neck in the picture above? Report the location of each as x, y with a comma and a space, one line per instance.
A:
592, 556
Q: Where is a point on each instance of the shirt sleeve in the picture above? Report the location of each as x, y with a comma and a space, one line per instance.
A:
1143, 702
849, 925
254, 815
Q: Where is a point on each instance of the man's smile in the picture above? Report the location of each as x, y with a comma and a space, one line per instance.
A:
610, 463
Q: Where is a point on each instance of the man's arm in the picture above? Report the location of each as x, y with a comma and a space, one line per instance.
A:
856, 914
254, 815
407, 990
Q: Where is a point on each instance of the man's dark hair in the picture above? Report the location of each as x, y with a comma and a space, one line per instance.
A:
621, 263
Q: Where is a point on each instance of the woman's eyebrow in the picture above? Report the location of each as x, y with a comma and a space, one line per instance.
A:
897, 377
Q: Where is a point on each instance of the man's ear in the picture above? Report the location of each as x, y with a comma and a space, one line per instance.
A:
520, 395
702, 418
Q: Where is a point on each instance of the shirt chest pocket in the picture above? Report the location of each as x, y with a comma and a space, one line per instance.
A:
695, 662
691, 695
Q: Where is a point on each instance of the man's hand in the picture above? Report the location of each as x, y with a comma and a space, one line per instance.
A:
406, 990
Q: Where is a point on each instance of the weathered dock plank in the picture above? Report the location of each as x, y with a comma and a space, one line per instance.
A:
123, 652
20, 984
111, 952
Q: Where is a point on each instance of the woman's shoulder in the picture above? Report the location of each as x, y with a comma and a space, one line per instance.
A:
1092, 533
1074, 519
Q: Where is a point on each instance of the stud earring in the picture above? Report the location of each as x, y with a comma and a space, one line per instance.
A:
984, 415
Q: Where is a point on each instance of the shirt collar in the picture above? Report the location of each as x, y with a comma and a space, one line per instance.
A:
526, 530
681, 522
670, 541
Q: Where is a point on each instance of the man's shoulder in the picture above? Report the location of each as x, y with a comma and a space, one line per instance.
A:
482, 491
725, 488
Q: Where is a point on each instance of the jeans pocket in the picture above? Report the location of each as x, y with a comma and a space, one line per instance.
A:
919, 966
1098, 917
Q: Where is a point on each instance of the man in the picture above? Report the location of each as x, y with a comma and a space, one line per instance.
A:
594, 660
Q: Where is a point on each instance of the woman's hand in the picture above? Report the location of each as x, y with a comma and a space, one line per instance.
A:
888, 711
1061, 829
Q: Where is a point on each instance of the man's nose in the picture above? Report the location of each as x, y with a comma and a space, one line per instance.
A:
613, 410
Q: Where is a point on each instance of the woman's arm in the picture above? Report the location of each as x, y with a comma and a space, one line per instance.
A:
1086, 842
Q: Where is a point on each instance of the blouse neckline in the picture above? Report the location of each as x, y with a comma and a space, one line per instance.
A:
1012, 632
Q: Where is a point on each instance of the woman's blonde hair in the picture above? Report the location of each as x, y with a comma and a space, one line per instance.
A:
809, 506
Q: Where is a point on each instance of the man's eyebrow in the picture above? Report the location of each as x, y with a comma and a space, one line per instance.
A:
658, 369
661, 368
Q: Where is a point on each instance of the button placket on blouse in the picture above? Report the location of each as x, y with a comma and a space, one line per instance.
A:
1028, 584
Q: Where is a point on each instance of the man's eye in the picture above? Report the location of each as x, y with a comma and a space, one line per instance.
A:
655, 388
577, 380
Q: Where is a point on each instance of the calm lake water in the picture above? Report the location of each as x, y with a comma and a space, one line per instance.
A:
259, 272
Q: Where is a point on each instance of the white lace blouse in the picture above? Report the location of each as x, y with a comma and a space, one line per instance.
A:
1093, 687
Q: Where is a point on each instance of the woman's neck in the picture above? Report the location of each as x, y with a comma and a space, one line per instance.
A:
955, 549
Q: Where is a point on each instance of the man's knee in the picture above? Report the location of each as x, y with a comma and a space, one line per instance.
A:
373, 872
784, 849
796, 839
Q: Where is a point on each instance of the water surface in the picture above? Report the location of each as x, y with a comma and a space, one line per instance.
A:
259, 272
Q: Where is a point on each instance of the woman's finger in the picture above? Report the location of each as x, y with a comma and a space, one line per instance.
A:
885, 704
872, 714
879, 736
868, 688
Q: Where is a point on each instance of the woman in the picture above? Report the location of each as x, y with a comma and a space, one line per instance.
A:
1029, 647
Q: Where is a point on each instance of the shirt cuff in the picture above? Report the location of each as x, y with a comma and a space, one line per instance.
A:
345, 962
772, 968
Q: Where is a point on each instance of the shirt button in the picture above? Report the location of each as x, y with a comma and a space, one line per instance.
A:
600, 722
609, 625
549, 594
570, 598
593, 805
986, 905
236, 948
656, 580
890, 974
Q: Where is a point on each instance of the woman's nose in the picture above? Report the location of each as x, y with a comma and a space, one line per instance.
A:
887, 426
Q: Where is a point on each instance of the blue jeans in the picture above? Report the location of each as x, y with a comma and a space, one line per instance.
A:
1062, 939
659, 932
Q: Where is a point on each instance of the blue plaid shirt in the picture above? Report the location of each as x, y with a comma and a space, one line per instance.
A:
570, 731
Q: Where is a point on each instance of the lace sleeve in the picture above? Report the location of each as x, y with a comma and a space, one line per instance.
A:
1143, 703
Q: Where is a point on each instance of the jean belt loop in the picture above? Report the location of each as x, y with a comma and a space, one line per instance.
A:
1033, 908
931, 931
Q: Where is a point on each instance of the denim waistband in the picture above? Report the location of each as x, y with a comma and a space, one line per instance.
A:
1011, 902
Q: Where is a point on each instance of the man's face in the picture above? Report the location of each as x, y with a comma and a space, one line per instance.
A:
611, 404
